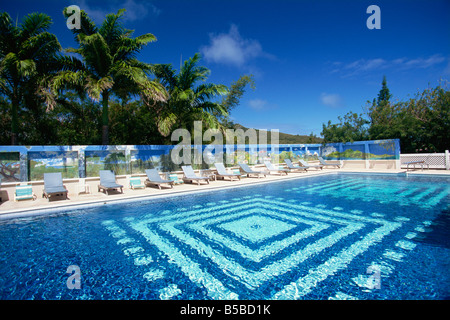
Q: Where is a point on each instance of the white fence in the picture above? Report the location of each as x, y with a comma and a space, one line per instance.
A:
433, 160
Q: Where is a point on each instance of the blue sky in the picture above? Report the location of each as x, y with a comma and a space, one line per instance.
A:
311, 60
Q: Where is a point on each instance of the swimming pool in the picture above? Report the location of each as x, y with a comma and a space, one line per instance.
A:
336, 236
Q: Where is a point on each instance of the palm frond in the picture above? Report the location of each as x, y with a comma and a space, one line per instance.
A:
41, 46
8, 34
134, 74
16, 66
26, 68
208, 91
67, 79
69, 62
190, 73
153, 92
110, 29
166, 74
210, 121
96, 53
126, 48
33, 24
4, 87
165, 123
95, 87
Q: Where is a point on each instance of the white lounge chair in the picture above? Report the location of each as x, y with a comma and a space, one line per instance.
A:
291, 166
307, 165
153, 178
222, 172
324, 163
190, 176
53, 185
249, 171
271, 168
108, 182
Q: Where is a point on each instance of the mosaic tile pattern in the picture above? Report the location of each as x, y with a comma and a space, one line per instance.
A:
403, 193
265, 247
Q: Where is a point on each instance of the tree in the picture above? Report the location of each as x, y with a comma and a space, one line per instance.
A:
108, 64
384, 95
231, 100
312, 138
28, 53
421, 123
353, 127
426, 121
382, 114
188, 101
78, 121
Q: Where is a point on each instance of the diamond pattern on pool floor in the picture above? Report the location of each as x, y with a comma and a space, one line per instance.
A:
239, 248
257, 228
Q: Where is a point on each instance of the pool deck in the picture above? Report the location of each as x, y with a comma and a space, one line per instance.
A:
12, 209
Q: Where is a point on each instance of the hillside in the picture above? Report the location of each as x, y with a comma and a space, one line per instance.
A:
285, 138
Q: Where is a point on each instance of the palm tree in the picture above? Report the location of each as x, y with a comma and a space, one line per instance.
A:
108, 64
188, 101
28, 52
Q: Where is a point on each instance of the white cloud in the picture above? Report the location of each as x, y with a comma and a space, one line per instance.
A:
257, 104
231, 48
424, 63
331, 100
261, 105
135, 9
362, 66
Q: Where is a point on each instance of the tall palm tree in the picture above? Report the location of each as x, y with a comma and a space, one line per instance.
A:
188, 101
28, 52
108, 64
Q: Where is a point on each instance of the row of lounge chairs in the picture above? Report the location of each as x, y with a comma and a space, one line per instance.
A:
53, 183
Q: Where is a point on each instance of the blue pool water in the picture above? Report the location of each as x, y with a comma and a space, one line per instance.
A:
338, 236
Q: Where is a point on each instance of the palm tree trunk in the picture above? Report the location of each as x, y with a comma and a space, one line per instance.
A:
105, 118
14, 120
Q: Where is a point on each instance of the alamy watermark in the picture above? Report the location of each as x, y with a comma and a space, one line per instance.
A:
374, 281
74, 20
235, 140
74, 280
374, 21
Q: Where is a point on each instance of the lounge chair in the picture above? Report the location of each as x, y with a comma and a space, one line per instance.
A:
136, 183
222, 172
291, 166
190, 176
108, 182
271, 168
53, 185
24, 192
324, 163
422, 163
249, 171
307, 165
154, 179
